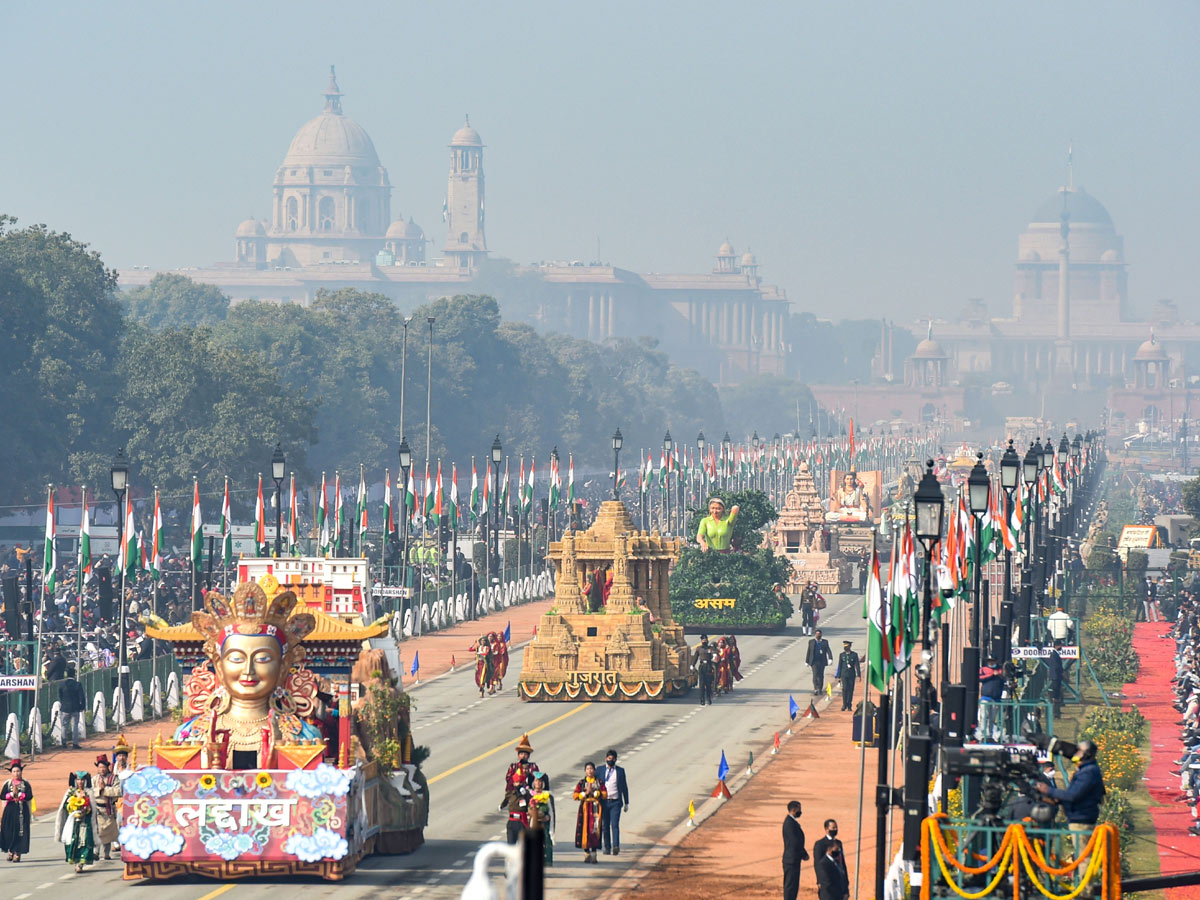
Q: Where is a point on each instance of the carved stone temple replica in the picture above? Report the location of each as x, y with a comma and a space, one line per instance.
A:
630, 648
799, 535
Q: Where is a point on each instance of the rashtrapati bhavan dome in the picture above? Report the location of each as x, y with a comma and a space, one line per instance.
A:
331, 226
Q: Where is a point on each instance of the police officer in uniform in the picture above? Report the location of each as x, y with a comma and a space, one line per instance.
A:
848, 671
702, 662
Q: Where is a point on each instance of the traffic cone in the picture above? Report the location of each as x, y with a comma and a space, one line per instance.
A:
775, 749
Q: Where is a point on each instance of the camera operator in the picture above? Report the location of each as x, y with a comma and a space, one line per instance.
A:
1082, 797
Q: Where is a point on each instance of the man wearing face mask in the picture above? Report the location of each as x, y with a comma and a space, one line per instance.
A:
1081, 798
833, 882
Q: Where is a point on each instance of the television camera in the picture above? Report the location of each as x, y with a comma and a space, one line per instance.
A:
1008, 775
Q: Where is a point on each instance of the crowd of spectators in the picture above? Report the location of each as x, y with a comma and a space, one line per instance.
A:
1186, 633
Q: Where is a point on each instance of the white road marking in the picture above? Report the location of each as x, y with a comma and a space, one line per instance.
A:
48, 884
65, 877
22, 896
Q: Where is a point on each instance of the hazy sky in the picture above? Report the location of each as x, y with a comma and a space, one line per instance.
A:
878, 158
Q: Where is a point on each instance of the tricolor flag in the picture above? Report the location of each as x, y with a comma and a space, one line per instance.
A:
430, 497
555, 485
322, 520
389, 520
197, 528
339, 511
260, 523
485, 503
527, 502
156, 558
130, 539
504, 492
571, 481
361, 513
50, 559
227, 528
293, 527
476, 512
454, 496
879, 656
84, 563
410, 497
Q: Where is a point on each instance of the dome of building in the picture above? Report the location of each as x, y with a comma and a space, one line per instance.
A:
726, 249
332, 139
1083, 208
466, 136
929, 349
250, 228
748, 259
1151, 350
400, 230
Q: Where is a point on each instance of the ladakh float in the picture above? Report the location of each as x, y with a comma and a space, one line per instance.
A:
295, 754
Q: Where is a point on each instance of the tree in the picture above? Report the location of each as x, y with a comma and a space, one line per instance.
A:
766, 403
191, 407
174, 301
1191, 497
62, 327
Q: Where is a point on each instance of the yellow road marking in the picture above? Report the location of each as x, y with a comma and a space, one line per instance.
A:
223, 889
495, 750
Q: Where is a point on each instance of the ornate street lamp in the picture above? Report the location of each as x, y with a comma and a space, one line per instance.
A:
278, 469
495, 525
119, 474
668, 446
617, 442
726, 450
979, 488
1010, 474
931, 509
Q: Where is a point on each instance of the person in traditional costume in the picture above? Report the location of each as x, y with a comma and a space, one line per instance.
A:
541, 813
106, 805
518, 789
500, 655
724, 679
75, 824
482, 649
252, 643
597, 590
17, 794
120, 758
591, 795
735, 658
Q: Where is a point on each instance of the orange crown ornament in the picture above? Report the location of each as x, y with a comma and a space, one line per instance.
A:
250, 612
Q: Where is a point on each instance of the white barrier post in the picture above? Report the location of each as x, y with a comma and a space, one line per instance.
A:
35, 729
172, 691
56, 723
156, 704
99, 719
137, 703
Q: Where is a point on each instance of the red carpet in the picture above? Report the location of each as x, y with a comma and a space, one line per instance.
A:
1178, 851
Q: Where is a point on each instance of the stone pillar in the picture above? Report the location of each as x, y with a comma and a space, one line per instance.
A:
620, 598
566, 590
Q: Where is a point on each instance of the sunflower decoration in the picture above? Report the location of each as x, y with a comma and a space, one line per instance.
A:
208, 781
263, 780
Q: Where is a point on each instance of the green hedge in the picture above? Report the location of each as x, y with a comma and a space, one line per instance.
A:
749, 578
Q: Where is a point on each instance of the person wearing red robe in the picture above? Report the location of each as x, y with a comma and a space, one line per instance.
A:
484, 664
724, 680
735, 658
500, 656
591, 795
518, 790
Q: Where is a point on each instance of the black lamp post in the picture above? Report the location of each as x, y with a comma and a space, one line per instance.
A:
700, 444
754, 442
497, 455
278, 468
405, 465
617, 442
979, 488
1010, 473
120, 485
1045, 525
726, 450
931, 508
668, 446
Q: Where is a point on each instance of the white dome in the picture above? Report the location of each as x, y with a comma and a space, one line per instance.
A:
250, 228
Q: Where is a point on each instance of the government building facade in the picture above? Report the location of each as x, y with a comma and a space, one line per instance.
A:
331, 226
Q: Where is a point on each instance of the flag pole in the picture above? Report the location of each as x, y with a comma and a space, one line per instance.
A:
79, 584
883, 791
862, 734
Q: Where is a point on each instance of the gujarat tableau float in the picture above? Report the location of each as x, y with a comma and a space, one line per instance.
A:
610, 634
272, 771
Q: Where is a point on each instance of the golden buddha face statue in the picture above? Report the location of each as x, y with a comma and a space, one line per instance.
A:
250, 667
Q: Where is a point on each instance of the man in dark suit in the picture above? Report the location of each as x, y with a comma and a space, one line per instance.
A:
847, 672
793, 851
833, 883
822, 843
818, 657
613, 777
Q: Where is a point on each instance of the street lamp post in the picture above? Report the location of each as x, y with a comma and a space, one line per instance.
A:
405, 465
497, 455
617, 441
668, 446
754, 443
553, 512
1010, 472
931, 508
979, 487
278, 468
1044, 526
700, 443
726, 450
120, 485
1029, 474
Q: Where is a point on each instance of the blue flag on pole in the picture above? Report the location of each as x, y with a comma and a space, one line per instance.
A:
416, 664
508, 632
793, 709
723, 768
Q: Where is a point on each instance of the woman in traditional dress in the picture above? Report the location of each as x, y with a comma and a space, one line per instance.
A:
482, 649
591, 795
724, 681
735, 658
541, 813
74, 824
716, 531
17, 794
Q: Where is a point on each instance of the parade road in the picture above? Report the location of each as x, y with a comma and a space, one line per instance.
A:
670, 751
